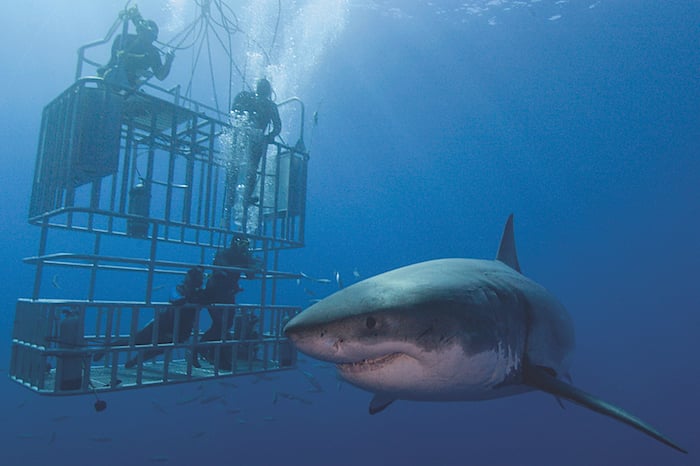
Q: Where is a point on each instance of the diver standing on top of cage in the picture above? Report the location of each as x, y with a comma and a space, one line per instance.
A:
261, 112
134, 54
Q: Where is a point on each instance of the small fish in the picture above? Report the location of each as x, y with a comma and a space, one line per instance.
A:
158, 459
210, 399
312, 380
283, 395
309, 292
338, 280
268, 419
355, 273
293, 397
263, 378
233, 411
189, 400
158, 407
60, 418
22, 404
54, 282
199, 434
228, 384
52, 439
340, 381
26, 436
158, 288
316, 118
314, 279
101, 439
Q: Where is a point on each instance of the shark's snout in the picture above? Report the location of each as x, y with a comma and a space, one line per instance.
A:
314, 341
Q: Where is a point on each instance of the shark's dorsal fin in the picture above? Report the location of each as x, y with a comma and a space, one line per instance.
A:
506, 251
542, 379
379, 402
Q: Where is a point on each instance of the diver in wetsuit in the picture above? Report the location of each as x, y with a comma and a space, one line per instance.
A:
134, 54
221, 288
262, 112
189, 290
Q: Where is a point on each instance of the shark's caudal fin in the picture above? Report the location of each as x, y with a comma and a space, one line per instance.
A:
539, 378
506, 251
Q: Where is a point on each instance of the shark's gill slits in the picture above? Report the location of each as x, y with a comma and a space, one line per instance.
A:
424, 332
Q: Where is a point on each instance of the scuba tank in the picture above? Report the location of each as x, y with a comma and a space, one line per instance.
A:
139, 204
70, 337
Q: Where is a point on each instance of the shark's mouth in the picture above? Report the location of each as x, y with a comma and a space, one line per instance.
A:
368, 364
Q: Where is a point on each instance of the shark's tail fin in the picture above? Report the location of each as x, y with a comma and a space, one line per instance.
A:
540, 378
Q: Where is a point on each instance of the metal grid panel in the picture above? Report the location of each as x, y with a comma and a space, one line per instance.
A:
82, 347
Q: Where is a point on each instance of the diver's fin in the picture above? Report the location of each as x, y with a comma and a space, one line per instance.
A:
379, 403
506, 250
538, 377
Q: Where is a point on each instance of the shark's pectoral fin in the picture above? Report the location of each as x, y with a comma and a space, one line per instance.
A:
542, 379
379, 402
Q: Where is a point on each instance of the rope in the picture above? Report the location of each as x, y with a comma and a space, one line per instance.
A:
211, 72
277, 25
188, 91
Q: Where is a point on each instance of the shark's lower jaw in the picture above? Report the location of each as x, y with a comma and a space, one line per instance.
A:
368, 364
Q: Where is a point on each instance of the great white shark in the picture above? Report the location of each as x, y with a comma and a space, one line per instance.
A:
450, 330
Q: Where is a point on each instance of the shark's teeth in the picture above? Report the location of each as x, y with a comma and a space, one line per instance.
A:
367, 364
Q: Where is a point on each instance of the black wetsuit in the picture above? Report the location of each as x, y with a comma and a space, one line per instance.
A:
183, 309
131, 60
261, 112
222, 288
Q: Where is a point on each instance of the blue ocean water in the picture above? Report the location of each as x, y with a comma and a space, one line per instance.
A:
435, 121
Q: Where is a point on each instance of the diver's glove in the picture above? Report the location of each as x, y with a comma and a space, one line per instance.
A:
134, 14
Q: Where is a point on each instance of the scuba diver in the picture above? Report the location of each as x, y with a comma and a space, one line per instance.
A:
260, 111
221, 288
189, 291
133, 55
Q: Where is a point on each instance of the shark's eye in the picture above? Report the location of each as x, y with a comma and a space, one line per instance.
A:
370, 322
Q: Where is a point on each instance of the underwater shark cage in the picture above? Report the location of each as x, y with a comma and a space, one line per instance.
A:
131, 190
